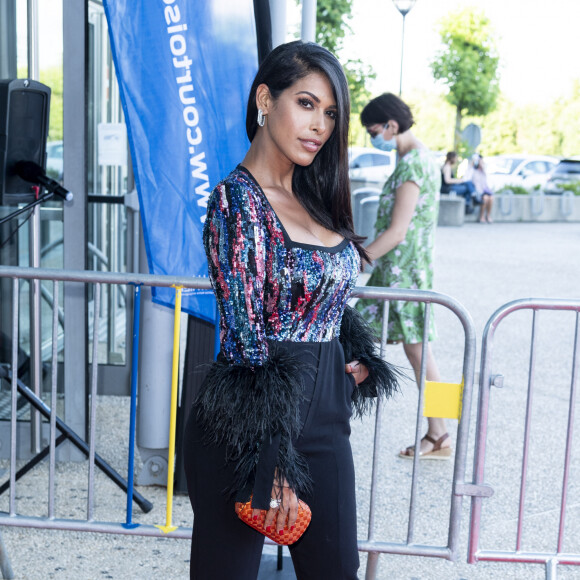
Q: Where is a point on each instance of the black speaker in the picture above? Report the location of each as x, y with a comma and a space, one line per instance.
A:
24, 114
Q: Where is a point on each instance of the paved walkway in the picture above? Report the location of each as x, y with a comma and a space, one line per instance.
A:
483, 267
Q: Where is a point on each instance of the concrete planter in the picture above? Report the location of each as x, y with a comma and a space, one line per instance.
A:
508, 207
451, 210
535, 207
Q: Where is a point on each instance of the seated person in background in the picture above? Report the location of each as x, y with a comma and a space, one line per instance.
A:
484, 195
450, 183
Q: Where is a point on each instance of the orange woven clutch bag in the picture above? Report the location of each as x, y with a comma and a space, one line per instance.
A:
244, 511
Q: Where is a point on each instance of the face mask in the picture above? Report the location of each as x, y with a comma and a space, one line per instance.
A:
379, 142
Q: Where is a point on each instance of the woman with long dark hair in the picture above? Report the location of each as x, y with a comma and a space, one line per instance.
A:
271, 420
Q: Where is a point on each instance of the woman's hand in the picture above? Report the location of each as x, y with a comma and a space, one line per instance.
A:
357, 370
287, 511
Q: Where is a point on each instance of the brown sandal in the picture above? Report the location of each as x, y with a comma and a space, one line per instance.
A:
437, 452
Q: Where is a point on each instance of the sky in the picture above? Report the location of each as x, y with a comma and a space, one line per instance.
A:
538, 43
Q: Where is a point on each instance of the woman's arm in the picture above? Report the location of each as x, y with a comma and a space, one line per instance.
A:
250, 398
406, 199
234, 241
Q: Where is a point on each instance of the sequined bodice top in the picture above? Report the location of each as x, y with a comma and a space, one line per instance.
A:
268, 287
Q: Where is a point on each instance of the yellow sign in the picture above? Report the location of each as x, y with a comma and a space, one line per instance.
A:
443, 400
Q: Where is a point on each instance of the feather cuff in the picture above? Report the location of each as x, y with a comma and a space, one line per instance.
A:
359, 342
250, 409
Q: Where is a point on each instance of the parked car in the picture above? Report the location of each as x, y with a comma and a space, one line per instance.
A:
369, 166
567, 171
527, 171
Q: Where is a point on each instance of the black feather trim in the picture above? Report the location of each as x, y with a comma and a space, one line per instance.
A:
243, 408
360, 342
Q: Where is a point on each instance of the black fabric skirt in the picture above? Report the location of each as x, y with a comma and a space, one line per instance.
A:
223, 547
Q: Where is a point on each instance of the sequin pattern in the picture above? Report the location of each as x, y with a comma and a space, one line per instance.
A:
267, 286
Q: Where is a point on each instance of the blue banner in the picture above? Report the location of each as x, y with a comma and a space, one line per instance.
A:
184, 69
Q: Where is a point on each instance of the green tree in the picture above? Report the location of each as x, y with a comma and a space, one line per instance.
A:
551, 128
567, 124
468, 65
433, 119
52, 77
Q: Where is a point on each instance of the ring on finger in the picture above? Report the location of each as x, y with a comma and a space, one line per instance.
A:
275, 503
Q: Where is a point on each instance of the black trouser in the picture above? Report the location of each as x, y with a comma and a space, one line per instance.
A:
223, 547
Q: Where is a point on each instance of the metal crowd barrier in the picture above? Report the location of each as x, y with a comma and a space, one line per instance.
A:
371, 544
450, 552
97, 279
487, 380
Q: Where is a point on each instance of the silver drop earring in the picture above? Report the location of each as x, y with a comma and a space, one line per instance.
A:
261, 118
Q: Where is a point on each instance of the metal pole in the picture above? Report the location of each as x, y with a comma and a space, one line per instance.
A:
373, 557
570, 433
308, 32
93, 406
418, 425
53, 398
462, 437
402, 52
75, 306
133, 413
278, 18
153, 384
527, 434
34, 249
5, 566
480, 438
14, 399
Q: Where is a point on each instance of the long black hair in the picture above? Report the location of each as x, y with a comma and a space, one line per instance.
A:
323, 187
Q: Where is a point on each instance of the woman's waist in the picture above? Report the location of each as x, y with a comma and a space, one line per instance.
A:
285, 344
308, 353
277, 343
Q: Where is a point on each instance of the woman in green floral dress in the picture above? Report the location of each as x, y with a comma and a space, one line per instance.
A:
403, 249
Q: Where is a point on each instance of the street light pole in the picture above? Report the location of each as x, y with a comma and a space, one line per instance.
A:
309, 20
402, 52
404, 7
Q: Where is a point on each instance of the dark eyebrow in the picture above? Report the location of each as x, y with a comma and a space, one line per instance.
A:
315, 98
